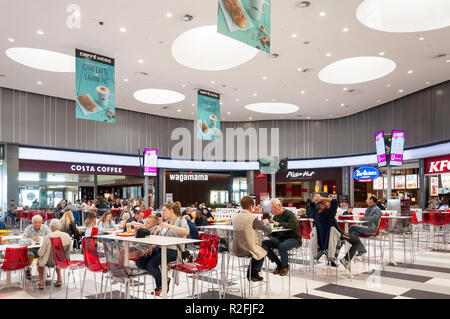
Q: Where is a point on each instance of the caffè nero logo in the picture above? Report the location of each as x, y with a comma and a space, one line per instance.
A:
188, 177
293, 174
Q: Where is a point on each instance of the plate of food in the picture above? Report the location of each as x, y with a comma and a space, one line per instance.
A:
126, 234
87, 104
235, 15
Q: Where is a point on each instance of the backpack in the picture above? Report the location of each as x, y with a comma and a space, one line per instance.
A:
193, 231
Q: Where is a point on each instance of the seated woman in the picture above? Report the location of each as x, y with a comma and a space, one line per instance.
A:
91, 222
174, 226
123, 221
106, 221
69, 226
46, 250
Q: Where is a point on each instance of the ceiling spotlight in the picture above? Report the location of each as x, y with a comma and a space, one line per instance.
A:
299, 69
328, 54
254, 94
39, 82
250, 118
294, 35
237, 100
169, 15
193, 104
345, 30
308, 117
342, 104
388, 85
264, 77
141, 61
427, 82
410, 71
447, 61
187, 18
378, 101
178, 110
213, 82
228, 113
326, 100
400, 91
123, 30
183, 85
322, 14
421, 38
303, 4
11, 40
40, 32
345, 89
302, 92
221, 103
330, 115
125, 80
192, 113
381, 53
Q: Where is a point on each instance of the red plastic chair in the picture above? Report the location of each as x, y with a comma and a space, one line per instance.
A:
92, 262
437, 219
94, 231
147, 212
16, 259
305, 228
206, 259
344, 217
61, 262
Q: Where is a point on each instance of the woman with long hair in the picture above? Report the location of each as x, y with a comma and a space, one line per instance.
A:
69, 226
91, 222
106, 221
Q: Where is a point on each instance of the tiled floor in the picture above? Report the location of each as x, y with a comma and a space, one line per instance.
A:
428, 278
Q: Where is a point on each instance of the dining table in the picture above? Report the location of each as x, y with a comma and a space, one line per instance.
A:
161, 241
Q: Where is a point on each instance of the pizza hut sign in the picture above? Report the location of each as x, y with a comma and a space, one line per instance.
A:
299, 175
95, 169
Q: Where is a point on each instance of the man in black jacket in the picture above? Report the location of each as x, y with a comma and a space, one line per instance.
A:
200, 219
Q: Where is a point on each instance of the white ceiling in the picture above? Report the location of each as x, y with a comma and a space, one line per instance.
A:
150, 34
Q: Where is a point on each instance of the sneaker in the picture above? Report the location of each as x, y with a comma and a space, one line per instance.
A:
360, 253
277, 270
345, 263
320, 254
331, 262
284, 271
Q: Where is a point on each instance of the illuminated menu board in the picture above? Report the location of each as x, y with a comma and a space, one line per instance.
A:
397, 144
381, 150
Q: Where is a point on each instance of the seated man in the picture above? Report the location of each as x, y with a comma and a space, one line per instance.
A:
373, 216
245, 237
324, 217
282, 241
349, 211
46, 250
135, 222
200, 219
34, 231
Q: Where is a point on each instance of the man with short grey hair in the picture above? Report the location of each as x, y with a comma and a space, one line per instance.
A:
34, 231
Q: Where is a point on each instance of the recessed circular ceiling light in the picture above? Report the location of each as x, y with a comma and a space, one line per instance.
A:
228, 113
421, 38
299, 69
378, 101
193, 104
427, 83
308, 117
183, 85
213, 82
123, 30
255, 94
326, 100
447, 61
39, 82
11, 40
272, 108
141, 61
356, 70
381, 53
264, 77
400, 91
345, 30
169, 15
328, 54
203, 48
294, 35
410, 71
42, 59
237, 100
404, 15
40, 32
178, 110
388, 85
345, 89
322, 14
125, 80
302, 92
250, 118
330, 115
158, 96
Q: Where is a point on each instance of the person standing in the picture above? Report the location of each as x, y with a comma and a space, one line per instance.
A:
282, 241
11, 211
245, 237
373, 216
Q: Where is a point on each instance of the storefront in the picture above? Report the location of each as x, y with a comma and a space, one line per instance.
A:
3, 175
214, 188
437, 178
43, 184
294, 187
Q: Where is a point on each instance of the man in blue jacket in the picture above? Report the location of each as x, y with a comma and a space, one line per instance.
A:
373, 217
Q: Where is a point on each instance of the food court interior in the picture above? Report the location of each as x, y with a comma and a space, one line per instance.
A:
224, 149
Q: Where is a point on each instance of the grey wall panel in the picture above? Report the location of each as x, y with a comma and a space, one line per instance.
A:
34, 119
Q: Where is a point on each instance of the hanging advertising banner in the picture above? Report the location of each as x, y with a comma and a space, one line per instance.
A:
397, 144
247, 21
411, 181
381, 150
434, 184
94, 87
150, 162
208, 123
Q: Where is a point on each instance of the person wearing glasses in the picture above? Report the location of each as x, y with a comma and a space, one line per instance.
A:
282, 241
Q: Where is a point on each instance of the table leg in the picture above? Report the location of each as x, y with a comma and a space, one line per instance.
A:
126, 261
164, 271
432, 236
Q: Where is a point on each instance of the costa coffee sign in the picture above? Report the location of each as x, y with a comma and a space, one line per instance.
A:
436, 165
96, 169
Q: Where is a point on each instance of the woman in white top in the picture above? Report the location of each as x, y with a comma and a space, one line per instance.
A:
106, 221
90, 223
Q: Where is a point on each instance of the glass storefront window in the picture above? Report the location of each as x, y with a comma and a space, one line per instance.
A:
218, 197
29, 176
239, 188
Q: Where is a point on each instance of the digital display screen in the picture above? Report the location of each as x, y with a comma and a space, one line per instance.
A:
381, 150
150, 162
397, 144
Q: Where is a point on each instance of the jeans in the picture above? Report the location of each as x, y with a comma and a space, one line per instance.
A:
354, 240
152, 262
76, 216
323, 235
283, 245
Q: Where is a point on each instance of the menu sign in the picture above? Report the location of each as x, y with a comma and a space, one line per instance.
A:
434, 184
94, 87
150, 162
445, 180
411, 181
378, 183
397, 145
208, 116
385, 180
381, 150
400, 182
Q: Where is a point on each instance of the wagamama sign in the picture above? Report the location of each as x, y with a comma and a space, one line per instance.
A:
188, 177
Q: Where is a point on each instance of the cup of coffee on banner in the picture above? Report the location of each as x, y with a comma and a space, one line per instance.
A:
257, 8
212, 121
103, 95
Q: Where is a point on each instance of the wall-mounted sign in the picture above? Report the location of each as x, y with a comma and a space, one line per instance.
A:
378, 183
400, 182
445, 180
300, 174
434, 184
366, 174
440, 164
208, 116
169, 197
381, 149
95, 87
411, 181
150, 162
397, 145
181, 177
247, 21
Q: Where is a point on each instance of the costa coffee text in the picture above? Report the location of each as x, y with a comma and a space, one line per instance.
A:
96, 169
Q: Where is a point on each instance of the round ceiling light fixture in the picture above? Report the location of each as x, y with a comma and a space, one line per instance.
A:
404, 15
42, 59
203, 48
158, 96
272, 108
356, 70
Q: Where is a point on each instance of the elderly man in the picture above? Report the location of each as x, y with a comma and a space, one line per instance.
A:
34, 231
46, 250
282, 241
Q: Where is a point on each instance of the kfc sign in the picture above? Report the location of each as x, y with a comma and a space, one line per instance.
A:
436, 165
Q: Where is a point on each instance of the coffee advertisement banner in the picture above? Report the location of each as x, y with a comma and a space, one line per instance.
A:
208, 116
248, 21
95, 87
